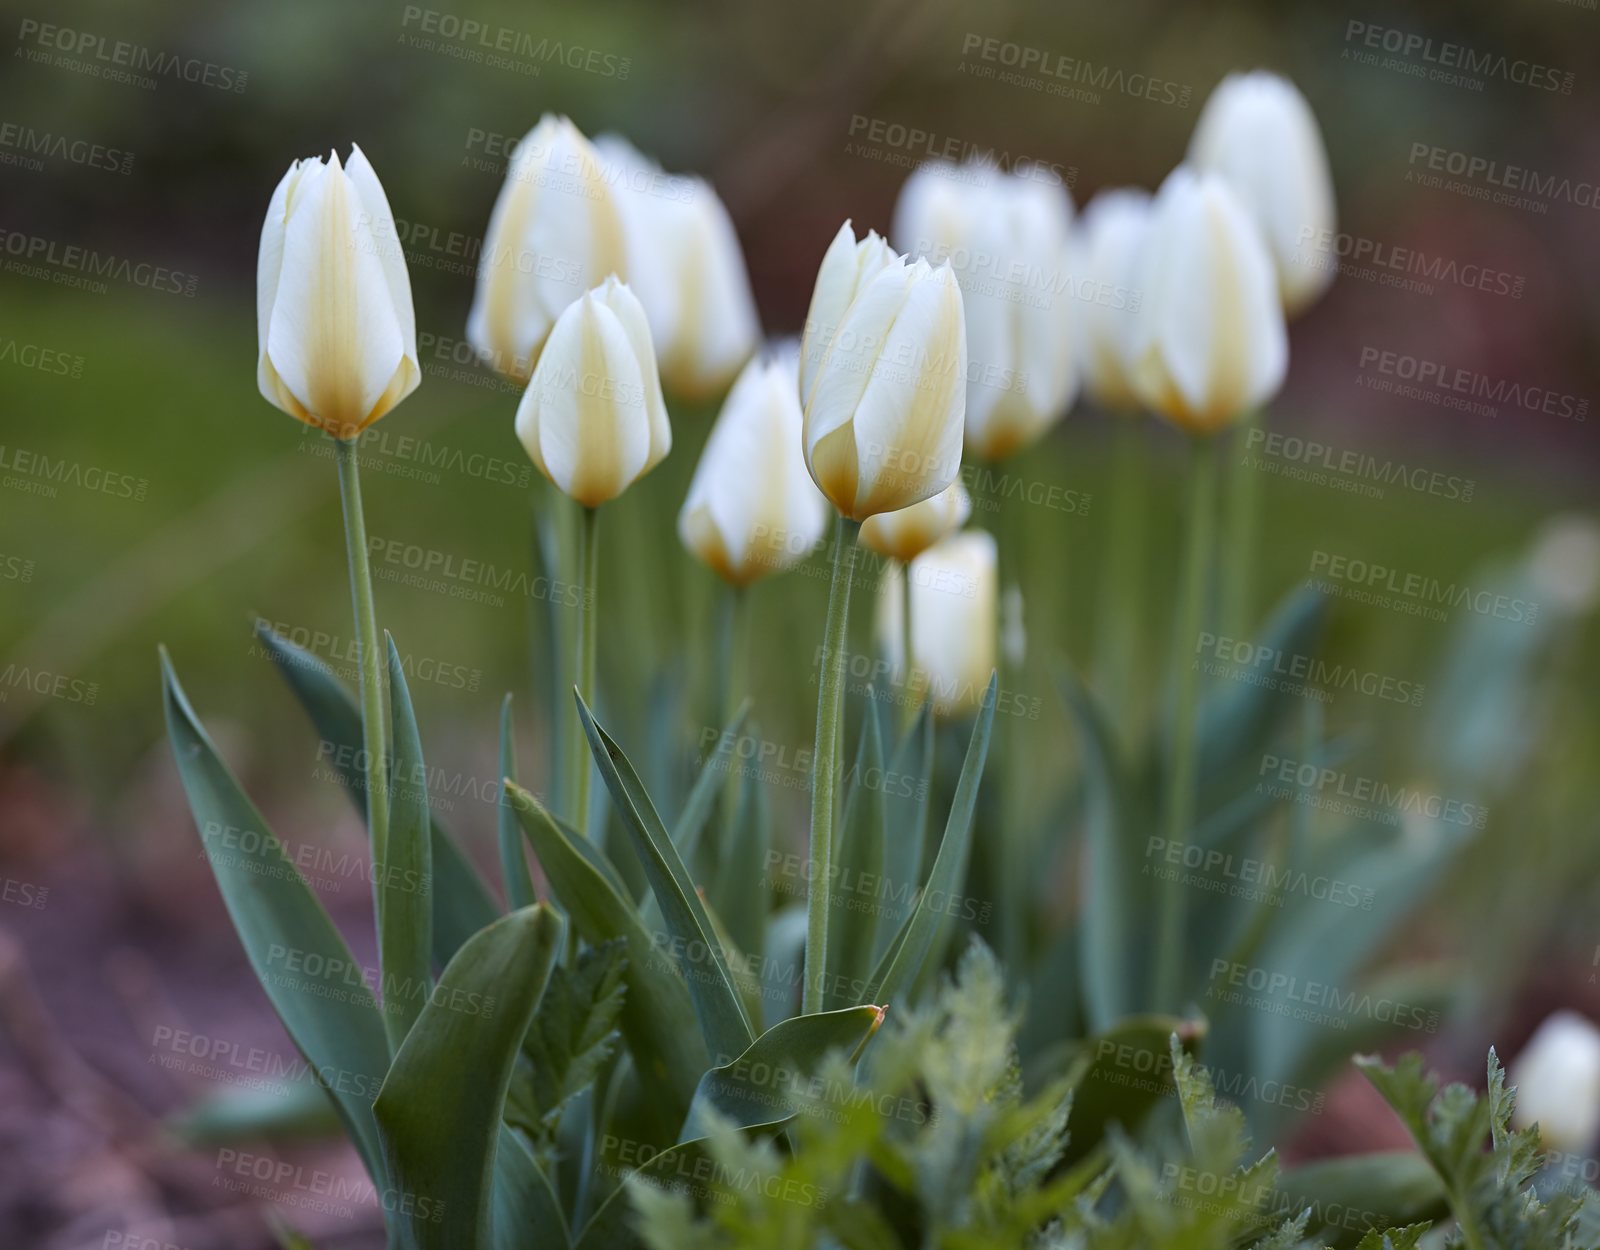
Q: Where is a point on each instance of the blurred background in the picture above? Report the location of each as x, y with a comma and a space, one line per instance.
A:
151, 496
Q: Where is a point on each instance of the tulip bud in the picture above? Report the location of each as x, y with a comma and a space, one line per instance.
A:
906, 534
1259, 133
593, 419
752, 508
1113, 233
1210, 343
953, 620
337, 333
847, 267
1557, 1076
555, 232
1006, 236
686, 267
883, 413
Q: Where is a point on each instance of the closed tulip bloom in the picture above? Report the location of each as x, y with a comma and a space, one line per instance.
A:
1557, 1076
685, 265
906, 534
954, 620
847, 267
1112, 237
1006, 235
1210, 343
335, 325
555, 232
752, 508
593, 419
1259, 133
883, 418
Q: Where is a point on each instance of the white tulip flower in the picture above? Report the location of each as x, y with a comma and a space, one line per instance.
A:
336, 330
555, 232
1006, 235
1258, 132
1112, 234
954, 620
846, 268
906, 534
1210, 342
593, 418
1557, 1076
685, 264
883, 412
752, 508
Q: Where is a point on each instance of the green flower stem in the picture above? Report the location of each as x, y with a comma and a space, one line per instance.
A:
583, 669
910, 693
734, 648
1121, 592
1237, 572
374, 720
825, 764
1180, 797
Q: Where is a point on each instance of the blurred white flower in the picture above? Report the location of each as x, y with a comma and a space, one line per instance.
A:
906, 534
1006, 235
336, 331
593, 419
685, 264
555, 232
1258, 132
1566, 562
1557, 1076
954, 621
1210, 343
752, 508
1111, 238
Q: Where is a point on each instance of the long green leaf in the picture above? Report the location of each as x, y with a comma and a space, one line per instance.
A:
742, 892
513, 860
405, 878
906, 790
925, 927
856, 894
461, 903
759, 1087
1115, 893
658, 1017
722, 1016
439, 1109
314, 983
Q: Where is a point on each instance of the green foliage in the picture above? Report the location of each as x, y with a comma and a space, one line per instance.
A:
573, 1033
1489, 1191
